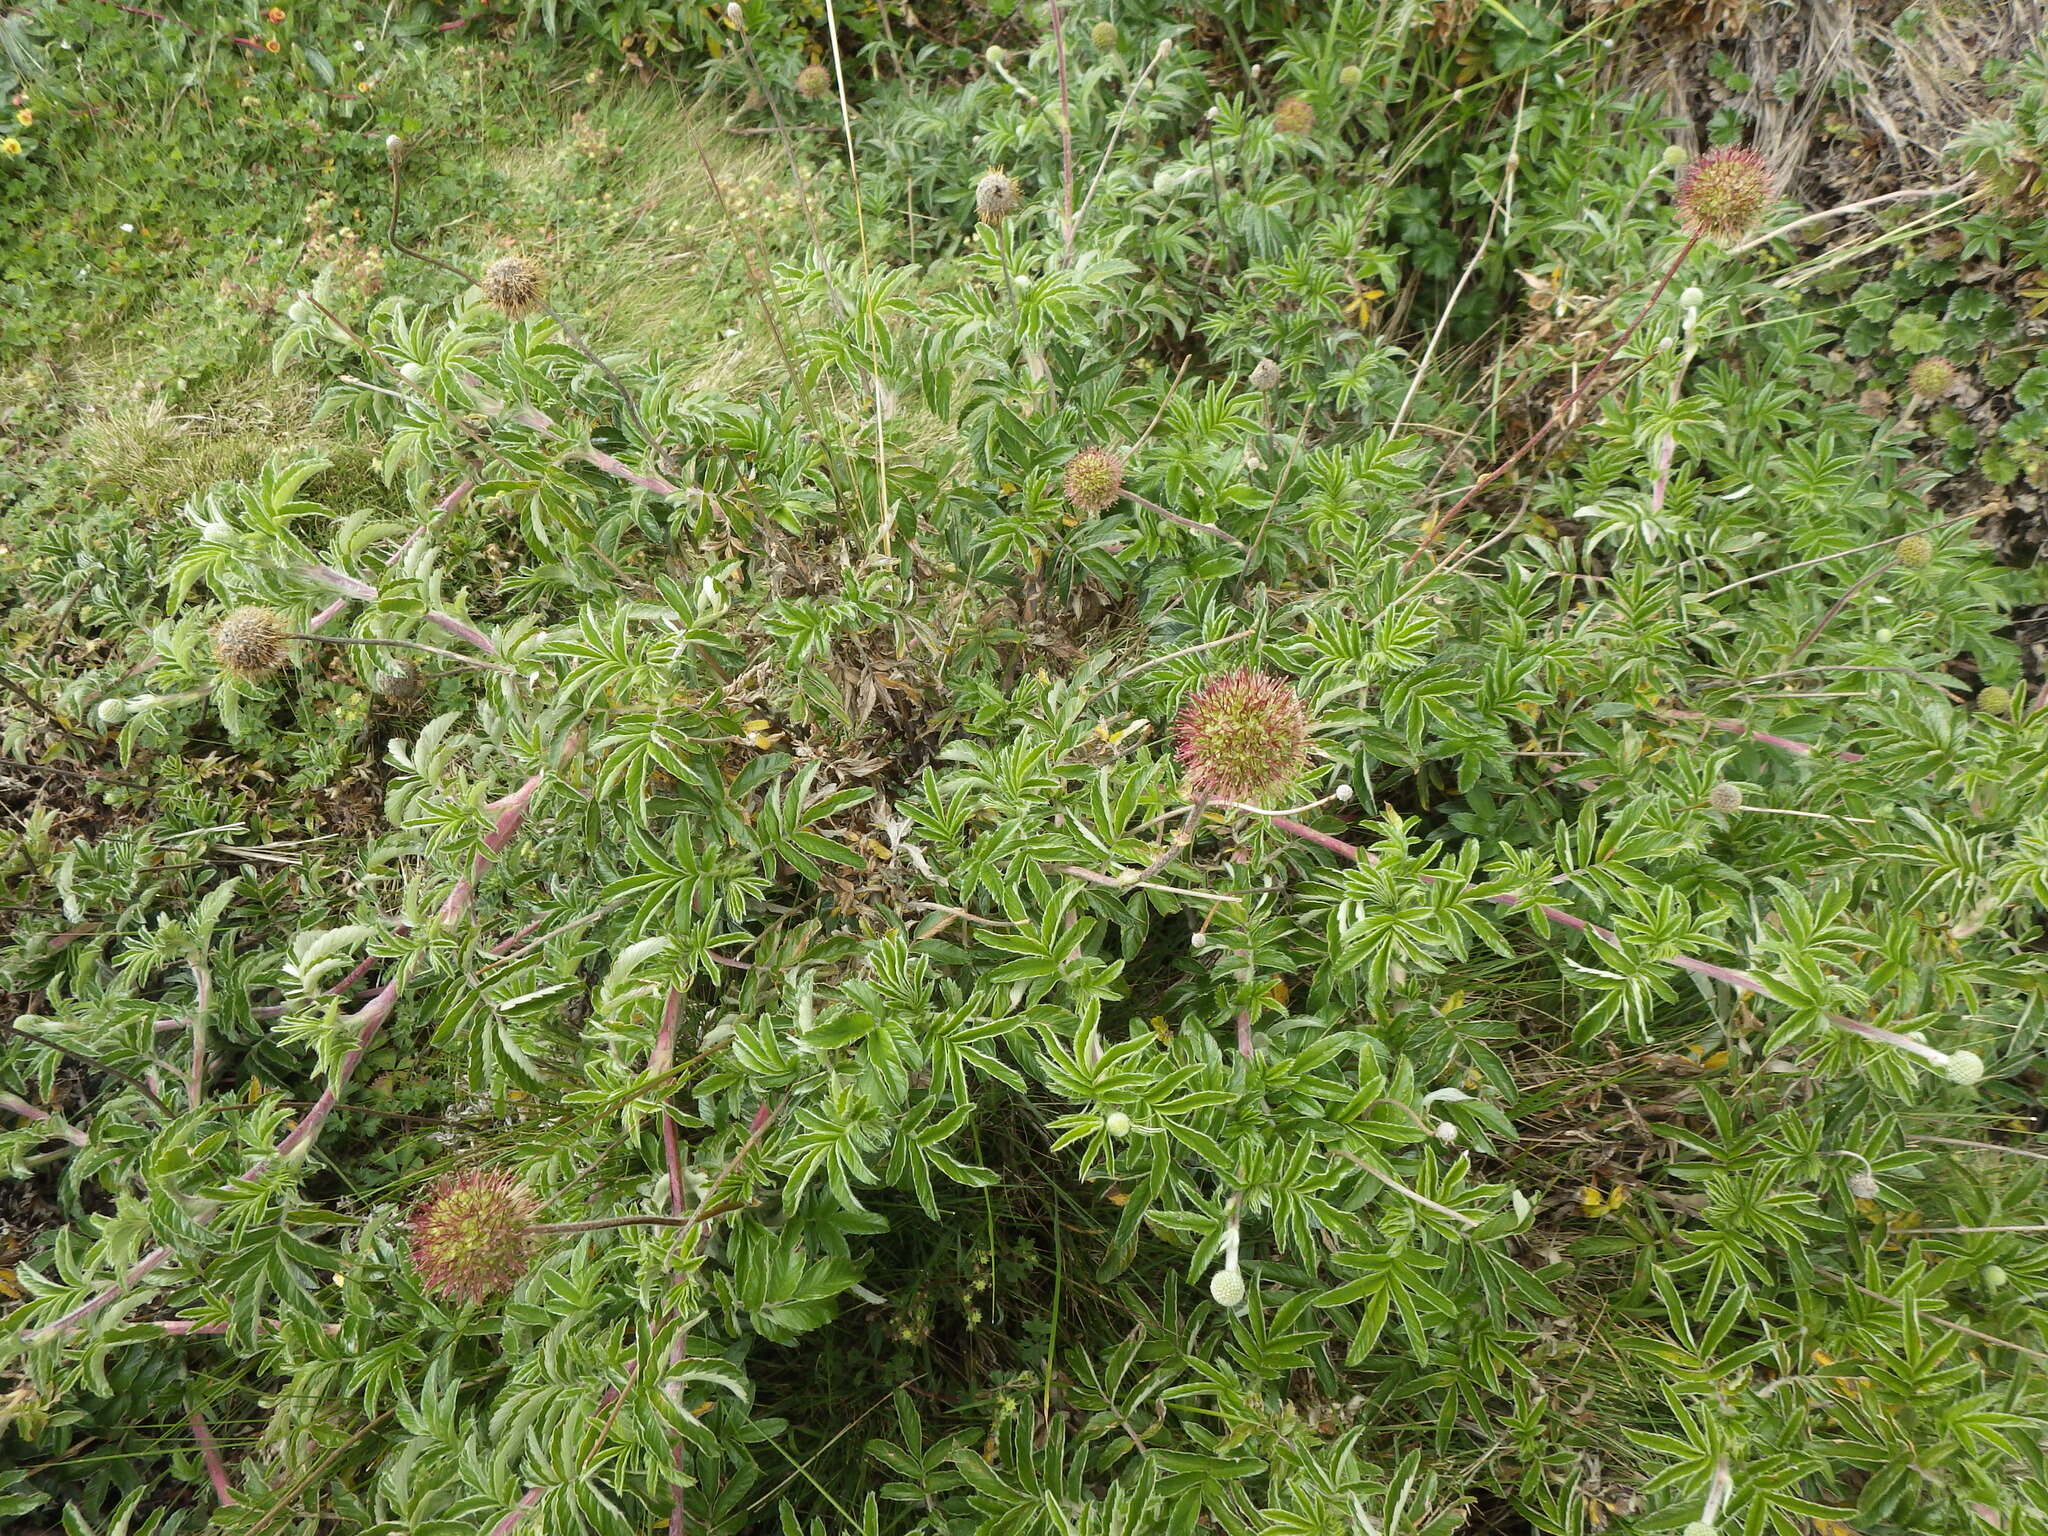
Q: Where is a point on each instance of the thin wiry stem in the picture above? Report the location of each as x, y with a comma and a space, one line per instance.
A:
1728, 976
1558, 416
1158, 55
411, 645
1846, 208
1402, 1189
1188, 522
1507, 197
1856, 586
91, 1062
1931, 1317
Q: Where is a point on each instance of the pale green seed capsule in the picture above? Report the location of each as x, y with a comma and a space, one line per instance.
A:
1964, 1068
1226, 1287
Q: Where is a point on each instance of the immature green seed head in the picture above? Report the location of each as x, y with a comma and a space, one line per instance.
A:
1094, 480
1725, 194
250, 642
996, 196
1104, 36
1226, 1287
1243, 737
1994, 700
514, 286
1702, 1528
1725, 798
1674, 156
813, 81
1349, 76
473, 1237
1293, 117
1993, 1276
1932, 378
1964, 1068
1913, 552
1117, 1123
996, 55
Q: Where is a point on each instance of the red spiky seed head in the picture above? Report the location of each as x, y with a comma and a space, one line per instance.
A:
250, 642
813, 81
996, 196
1293, 116
473, 1235
1932, 378
1243, 737
1094, 480
515, 286
1724, 194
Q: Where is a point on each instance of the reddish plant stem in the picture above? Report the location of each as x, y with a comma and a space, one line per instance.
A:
511, 1522
619, 471
20, 1106
1743, 728
363, 592
326, 615
368, 1020
209, 1453
186, 1328
511, 812
1558, 416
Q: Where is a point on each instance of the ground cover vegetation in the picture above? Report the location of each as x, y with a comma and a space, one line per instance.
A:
807, 769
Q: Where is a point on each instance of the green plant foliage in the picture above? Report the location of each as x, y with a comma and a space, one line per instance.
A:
720, 786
